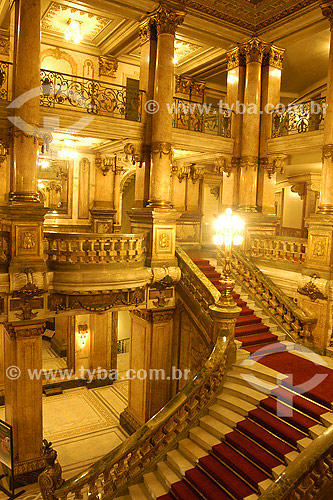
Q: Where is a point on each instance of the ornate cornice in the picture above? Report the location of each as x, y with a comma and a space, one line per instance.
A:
167, 20
147, 30
273, 57
235, 58
254, 50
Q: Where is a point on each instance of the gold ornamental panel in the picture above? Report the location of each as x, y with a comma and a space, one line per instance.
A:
319, 250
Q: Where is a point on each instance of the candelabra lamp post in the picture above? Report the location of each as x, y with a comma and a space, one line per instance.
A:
229, 231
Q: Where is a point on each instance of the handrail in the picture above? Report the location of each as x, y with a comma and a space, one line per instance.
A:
297, 480
111, 474
289, 316
146, 446
299, 117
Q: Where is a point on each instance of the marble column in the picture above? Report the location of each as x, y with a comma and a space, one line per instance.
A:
103, 210
118, 170
253, 51
26, 78
235, 96
60, 340
326, 190
151, 349
270, 97
23, 396
166, 20
148, 39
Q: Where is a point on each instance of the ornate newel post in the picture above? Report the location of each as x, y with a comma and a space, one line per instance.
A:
103, 211
270, 97
315, 296
253, 51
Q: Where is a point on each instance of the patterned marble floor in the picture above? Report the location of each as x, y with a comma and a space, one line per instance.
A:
51, 361
83, 425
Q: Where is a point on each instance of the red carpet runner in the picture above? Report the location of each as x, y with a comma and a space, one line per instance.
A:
234, 468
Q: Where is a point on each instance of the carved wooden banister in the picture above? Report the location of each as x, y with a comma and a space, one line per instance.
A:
94, 248
288, 315
309, 475
278, 248
110, 476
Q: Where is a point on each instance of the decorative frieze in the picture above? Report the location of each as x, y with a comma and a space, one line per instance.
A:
167, 20
107, 66
162, 148
105, 163
249, 162
24, 330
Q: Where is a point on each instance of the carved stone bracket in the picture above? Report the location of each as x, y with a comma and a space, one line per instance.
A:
222, 164
273, 164
327, 151
190, 171
134, 152
105, 163
107, 66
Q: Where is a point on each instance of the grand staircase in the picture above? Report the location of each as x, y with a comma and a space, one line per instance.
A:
261, 420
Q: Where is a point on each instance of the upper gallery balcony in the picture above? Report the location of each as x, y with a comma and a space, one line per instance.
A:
68, 95
291, 125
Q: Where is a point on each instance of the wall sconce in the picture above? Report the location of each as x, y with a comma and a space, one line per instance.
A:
83, 333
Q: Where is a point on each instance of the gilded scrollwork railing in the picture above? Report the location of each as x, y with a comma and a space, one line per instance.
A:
278, 248
94, 248
286, 313
4, 80
201, 117
309, 476
298, 118
93, 96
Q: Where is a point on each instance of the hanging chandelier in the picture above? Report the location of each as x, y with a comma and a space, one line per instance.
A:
73, 31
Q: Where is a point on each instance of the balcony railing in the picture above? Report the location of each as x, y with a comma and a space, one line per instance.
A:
279, 248
94, 96
299, 118
94, 248
4, 80
201, 117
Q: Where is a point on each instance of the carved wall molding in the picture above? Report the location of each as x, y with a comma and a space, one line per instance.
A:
107, 66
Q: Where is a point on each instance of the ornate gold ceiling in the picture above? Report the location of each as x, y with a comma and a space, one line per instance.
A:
253, 15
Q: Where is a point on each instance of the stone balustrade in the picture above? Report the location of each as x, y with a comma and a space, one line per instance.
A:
278, 248
94, 248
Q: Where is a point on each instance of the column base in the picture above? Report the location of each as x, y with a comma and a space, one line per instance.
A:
26, 472
28, 197
128, 422
159, 204
325, 210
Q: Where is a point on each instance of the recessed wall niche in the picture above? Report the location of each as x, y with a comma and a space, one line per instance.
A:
54, 184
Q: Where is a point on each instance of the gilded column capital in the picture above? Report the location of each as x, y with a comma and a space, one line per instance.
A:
254, 50
273, 57
162, 148
167, 20
235, 58
327, 11
327, 152
147, 30
249, 162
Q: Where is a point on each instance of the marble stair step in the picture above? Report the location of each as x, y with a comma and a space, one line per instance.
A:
203, 438
259, 370
304, 443
168, 474
154, 485
225, 415
214, 426
238, 405
277, 471
290, 457
251, 395
191, 450
252, 380
139, 492
178, 462
327, 419
317, 430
